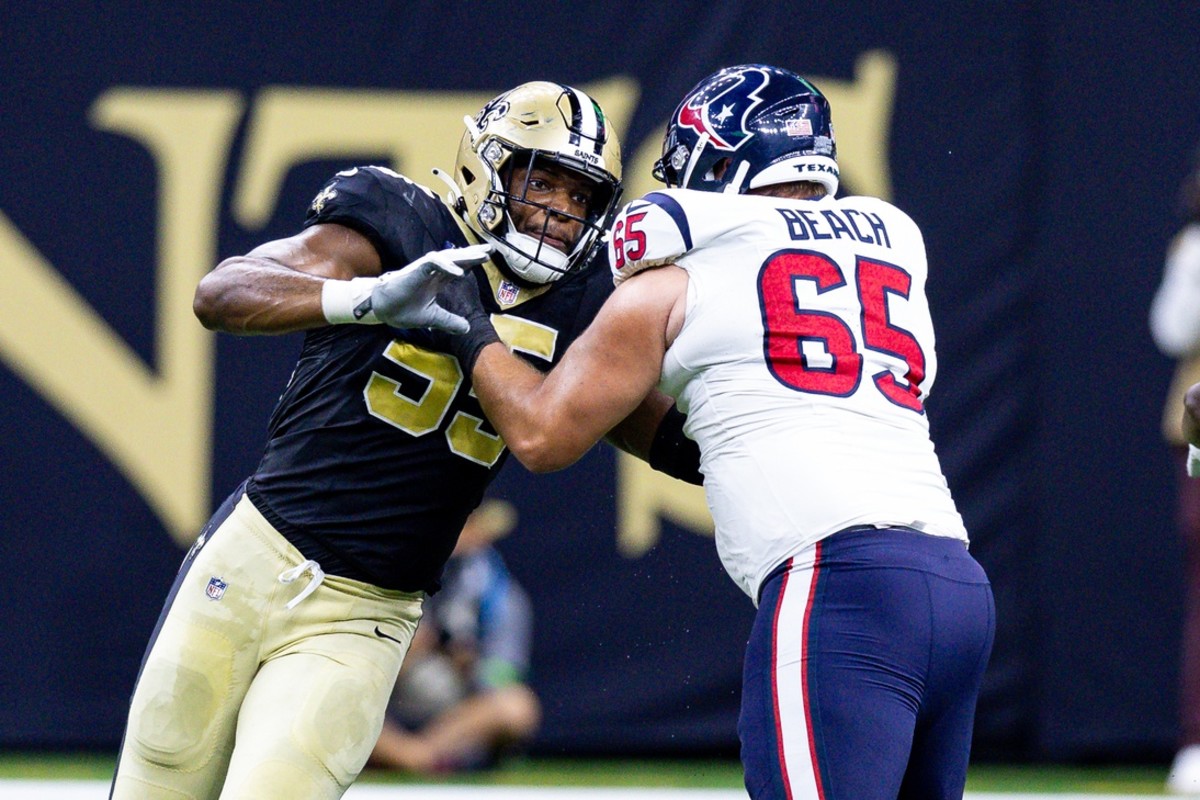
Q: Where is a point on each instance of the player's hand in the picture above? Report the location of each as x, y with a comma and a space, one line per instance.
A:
405, 298
462, 299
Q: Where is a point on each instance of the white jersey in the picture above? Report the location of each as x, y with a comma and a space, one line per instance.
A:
804, 360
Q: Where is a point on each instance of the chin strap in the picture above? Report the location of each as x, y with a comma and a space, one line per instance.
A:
454, 196
739, 177
535, 251
472, 128
692, 158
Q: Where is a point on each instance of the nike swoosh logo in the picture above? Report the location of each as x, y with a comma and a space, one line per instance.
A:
383, 635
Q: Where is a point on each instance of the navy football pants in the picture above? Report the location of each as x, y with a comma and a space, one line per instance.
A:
863, 669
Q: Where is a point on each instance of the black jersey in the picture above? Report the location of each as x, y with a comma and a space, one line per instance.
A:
377, 452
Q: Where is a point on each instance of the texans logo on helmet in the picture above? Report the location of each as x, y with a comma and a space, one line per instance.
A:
735, 101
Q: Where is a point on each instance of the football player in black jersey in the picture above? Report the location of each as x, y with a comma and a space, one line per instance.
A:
270, 668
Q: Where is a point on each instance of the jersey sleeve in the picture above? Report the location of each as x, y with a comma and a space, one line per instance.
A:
649, 232
403, 219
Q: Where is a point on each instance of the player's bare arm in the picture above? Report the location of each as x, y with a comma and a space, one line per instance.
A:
549, 421
329, 274
276, 287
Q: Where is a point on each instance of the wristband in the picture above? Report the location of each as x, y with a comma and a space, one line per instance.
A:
348, 302
468, 346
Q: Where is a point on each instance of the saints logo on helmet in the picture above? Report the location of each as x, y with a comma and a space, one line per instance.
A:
538, 125
746, 127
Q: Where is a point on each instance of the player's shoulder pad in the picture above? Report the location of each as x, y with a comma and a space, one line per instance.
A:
876, 205
898, 221
374, 200
867, 201
652, 231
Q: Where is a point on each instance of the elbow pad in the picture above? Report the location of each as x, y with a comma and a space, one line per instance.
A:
672, 452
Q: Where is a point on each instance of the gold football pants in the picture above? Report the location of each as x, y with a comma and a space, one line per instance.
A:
242, 696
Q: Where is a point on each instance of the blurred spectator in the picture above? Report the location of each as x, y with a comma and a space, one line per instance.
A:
1175, 325
461, 701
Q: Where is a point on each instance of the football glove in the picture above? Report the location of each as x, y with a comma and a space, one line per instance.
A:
404, 298
461, 299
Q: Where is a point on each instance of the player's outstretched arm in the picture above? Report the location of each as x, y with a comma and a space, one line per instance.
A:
277, 286
329, 274
549, 421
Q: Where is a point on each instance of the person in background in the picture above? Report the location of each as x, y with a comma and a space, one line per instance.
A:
462, 701
1175, 326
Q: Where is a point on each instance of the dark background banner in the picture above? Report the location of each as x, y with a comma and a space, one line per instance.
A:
1039, 146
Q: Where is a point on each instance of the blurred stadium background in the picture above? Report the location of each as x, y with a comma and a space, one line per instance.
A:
139, 144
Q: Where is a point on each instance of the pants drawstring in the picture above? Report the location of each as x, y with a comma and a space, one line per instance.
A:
310, 567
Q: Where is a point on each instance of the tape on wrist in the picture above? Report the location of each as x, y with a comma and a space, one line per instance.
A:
348, 302
1193, 462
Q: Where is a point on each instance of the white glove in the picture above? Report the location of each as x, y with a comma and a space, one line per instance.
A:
404, 298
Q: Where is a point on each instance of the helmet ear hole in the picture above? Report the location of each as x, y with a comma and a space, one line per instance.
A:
467, 176
719, 168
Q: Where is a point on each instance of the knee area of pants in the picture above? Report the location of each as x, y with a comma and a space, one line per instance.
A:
343, 727
173, 715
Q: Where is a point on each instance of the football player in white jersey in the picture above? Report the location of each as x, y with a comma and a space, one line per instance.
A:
794, 331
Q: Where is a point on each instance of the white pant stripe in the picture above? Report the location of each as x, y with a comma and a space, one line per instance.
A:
791, 707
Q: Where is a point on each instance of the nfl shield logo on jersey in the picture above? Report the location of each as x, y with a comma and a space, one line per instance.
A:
506, 295
216, 588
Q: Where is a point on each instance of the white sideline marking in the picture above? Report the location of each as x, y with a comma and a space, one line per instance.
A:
98, 790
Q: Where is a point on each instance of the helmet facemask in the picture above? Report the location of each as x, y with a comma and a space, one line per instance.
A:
516, 158
543, 253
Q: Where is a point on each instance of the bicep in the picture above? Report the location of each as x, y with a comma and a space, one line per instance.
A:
276, 287
325, 250
610, 371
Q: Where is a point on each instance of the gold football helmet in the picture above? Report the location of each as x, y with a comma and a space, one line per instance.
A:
537, 124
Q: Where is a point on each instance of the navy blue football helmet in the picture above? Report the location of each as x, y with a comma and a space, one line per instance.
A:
749, 126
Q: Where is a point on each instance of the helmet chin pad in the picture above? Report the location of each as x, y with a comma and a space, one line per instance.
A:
531, 259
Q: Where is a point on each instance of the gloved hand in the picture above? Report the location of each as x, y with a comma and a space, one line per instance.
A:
461, 299
404, 298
